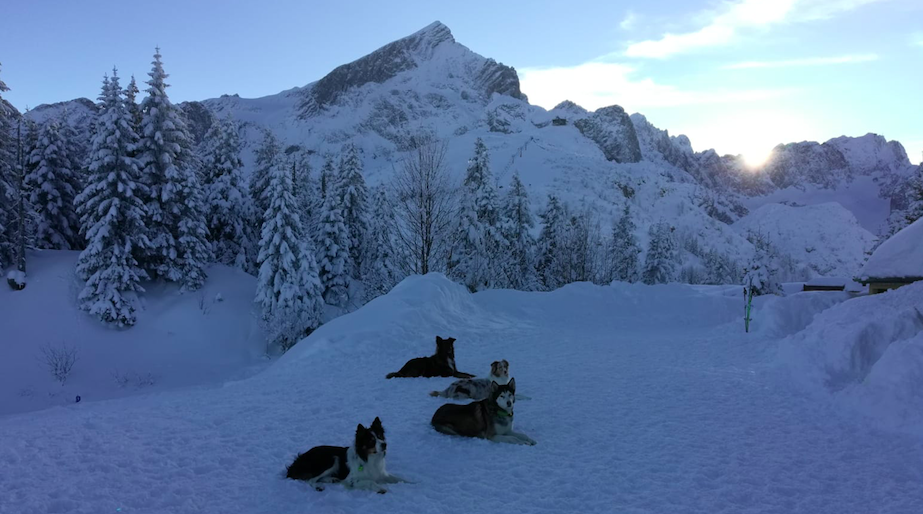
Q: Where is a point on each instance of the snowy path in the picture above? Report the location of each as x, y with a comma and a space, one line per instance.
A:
632, 413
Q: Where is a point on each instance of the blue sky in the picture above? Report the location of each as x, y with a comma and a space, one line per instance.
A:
736, 75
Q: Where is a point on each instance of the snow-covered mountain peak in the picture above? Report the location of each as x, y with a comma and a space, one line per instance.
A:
433, 42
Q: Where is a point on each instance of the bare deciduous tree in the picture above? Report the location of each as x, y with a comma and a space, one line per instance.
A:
58, 360
425, 205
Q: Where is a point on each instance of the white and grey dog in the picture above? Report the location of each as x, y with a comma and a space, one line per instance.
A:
477, 388
491, 418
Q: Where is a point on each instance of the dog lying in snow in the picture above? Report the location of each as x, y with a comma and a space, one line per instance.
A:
491, 418
477, 388
360, 466
441, 364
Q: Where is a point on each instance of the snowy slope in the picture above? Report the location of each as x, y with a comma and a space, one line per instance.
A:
825, 237
644, 399
179, 341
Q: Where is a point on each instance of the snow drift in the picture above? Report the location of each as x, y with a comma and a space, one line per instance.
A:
868, 353
180, 340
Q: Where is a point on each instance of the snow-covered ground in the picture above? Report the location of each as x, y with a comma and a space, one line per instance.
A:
180, 340
644, 399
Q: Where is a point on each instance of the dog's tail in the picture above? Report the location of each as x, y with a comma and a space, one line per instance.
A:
438, 393
392, 375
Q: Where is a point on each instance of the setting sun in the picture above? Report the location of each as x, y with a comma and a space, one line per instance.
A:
756, 157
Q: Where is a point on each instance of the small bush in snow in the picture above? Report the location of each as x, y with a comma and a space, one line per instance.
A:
204, 305
58, 360
145, 380
121, 379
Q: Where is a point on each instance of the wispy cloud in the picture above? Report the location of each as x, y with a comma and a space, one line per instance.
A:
629, 22
722, 27
916, 39
598, 84
812, 61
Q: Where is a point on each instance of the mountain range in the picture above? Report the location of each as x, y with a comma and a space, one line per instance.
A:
428, 83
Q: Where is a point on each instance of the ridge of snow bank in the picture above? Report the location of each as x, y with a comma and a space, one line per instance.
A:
867, 353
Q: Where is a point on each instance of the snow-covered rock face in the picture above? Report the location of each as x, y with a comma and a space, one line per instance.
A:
611, 128
826, 237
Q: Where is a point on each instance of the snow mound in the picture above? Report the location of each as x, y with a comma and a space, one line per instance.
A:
901, 256
868, 352
180, 340
781, 316
825, 237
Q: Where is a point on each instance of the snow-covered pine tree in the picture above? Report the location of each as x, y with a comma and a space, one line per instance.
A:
22, 220
111, 216
326, 179
467, 262
226, 197
175, 214
660, 263
720, 269
304, 190
517, 223
7, 166
192, 233
550, 244
131, 104
381, 269
353, 195
53, 184
581, 247
333, 253
624, 249
477, 256
268, 156
763, 269
288, 289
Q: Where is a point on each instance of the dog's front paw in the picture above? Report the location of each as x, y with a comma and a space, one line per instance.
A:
529, 442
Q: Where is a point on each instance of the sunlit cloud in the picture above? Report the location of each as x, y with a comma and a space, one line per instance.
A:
599, 84
629, 22
723, 27
811, 61
721, 30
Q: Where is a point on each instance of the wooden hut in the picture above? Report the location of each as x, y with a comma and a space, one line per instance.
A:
897, 262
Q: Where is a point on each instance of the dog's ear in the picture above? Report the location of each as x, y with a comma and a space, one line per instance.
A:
505, 363
493, 388
360, 429
512, 385
377, 424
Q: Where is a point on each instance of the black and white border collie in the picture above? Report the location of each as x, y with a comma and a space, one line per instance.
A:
360, 466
